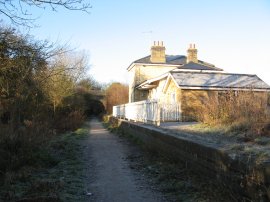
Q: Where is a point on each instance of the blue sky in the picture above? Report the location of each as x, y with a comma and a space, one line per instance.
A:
233, 35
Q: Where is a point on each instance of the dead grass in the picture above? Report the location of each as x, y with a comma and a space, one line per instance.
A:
53, 172
69, 121
243, 111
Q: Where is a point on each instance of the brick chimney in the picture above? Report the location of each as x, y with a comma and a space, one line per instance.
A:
158, 53
192, 54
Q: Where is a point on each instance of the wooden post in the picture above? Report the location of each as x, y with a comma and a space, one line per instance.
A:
158, 114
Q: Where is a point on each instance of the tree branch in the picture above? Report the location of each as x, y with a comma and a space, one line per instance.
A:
19, 15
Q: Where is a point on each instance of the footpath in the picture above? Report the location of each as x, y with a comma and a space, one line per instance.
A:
110, 177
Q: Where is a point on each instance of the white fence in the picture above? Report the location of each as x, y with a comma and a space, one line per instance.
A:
148, 111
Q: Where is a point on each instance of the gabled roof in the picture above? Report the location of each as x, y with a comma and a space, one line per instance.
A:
148, 84
218, 80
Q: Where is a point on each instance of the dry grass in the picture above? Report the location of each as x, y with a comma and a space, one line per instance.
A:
25, 149
48, 171
242, 111
19, 148
70, 121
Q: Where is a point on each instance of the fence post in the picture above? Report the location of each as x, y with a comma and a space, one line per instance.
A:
158, 114
149, 111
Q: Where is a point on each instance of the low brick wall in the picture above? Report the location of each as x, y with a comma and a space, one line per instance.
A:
242, 174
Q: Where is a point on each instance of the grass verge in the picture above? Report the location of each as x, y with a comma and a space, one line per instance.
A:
60, 176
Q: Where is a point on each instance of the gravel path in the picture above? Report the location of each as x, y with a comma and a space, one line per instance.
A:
110, 177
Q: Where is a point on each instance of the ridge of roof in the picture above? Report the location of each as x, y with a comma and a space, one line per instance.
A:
170, 59
180, 60
199, 66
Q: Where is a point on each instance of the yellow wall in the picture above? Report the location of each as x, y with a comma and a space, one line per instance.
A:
140, 73
172, 93
192, 100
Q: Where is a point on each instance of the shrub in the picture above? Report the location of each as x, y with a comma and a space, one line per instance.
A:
72, 121
22, 147
241, 110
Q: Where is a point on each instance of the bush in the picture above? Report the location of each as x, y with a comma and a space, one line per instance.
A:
22, 147
242, 110
72, 121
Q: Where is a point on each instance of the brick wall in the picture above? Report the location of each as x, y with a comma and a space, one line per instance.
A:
241, 174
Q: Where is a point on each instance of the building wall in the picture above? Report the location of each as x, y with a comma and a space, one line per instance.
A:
140, 73
192, 100
131, 81
171, 95
156, 93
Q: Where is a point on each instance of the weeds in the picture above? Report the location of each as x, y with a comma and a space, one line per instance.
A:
69, 121
53, 172
242, 111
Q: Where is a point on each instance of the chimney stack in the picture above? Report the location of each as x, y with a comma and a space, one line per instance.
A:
192, 54
158, 53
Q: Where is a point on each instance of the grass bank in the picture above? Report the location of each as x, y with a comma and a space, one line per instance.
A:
56, 172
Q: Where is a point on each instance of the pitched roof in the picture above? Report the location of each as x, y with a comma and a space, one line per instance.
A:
170, 59
199, 66
181, 60
209, 80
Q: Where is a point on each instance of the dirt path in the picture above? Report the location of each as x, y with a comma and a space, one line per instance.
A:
110, 177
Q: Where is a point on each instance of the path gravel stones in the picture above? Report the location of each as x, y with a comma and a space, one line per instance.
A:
110, 177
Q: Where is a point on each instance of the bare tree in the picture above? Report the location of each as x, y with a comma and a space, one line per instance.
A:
35, 76
62, 74
18, 11
116, 94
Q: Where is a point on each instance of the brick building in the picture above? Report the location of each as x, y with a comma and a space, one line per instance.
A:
185, 80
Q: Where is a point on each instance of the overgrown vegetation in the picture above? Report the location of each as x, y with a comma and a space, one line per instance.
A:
42, 93
54, 172
244, 111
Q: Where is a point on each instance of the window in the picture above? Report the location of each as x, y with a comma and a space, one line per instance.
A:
173, 97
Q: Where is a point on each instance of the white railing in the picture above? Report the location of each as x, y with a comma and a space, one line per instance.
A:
148, 111
170, 112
